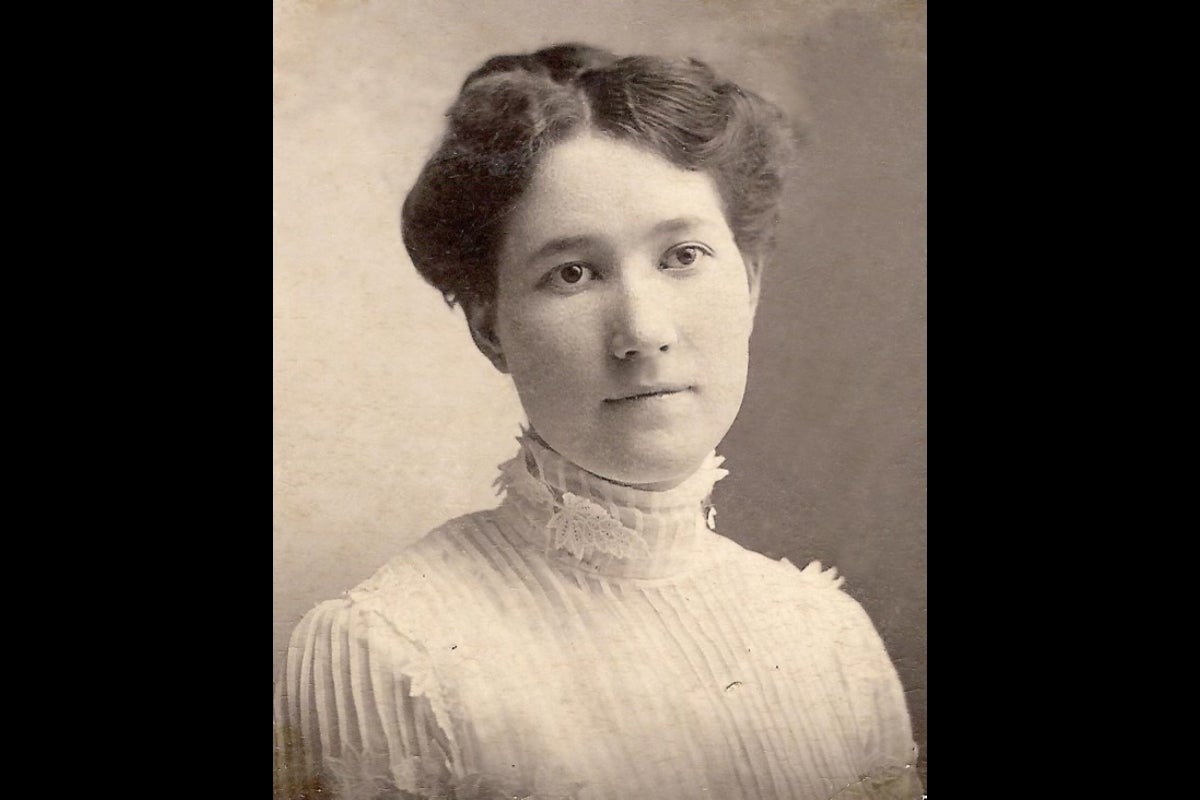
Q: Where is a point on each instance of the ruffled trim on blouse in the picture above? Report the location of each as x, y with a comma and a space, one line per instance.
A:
355, 776
889, 783
813, 575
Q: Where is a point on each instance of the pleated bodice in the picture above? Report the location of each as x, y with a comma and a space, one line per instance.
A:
592, 641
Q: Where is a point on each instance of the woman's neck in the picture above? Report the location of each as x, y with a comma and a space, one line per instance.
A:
602, 525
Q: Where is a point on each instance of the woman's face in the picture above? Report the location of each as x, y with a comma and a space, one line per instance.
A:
623, 311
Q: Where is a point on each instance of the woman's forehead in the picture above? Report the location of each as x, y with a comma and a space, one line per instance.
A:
601, 188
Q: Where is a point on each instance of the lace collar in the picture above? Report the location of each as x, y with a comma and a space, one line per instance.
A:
604, 527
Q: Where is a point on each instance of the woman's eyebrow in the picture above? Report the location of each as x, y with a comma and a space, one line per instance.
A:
561, 244
678, 224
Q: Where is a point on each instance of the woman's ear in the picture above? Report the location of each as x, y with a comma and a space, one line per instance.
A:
481, 319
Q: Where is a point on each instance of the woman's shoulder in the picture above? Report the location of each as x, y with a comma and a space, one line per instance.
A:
809, 610
815, 588
416, 594
751, 565
437, 563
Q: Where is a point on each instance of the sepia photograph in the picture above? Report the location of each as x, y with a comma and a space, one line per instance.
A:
599, 400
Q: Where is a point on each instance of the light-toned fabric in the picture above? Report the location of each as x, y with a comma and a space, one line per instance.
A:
592, 641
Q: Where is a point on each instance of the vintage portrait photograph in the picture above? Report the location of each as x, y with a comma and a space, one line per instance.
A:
599, 400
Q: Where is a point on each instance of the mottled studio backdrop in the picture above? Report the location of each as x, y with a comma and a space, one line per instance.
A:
387, 421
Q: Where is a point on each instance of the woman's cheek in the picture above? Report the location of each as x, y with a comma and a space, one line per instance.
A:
567, 333
550, 369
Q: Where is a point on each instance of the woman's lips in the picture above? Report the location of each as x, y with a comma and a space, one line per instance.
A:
650, 393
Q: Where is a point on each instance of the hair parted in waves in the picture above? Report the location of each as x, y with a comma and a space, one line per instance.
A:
514, 107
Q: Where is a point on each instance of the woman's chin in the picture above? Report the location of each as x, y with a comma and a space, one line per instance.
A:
653, 472
655, 459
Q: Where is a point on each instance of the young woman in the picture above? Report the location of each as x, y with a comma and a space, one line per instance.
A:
604, 222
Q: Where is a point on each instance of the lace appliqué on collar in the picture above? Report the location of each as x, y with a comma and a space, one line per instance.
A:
581, 526
576, 525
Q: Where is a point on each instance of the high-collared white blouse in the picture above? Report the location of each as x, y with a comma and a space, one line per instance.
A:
593, 641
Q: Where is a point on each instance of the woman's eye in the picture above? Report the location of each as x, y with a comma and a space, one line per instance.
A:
684, 256
571, 275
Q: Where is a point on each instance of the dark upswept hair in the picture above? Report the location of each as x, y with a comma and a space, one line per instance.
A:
515, 107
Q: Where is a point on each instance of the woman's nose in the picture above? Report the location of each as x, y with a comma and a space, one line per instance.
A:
643, 323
